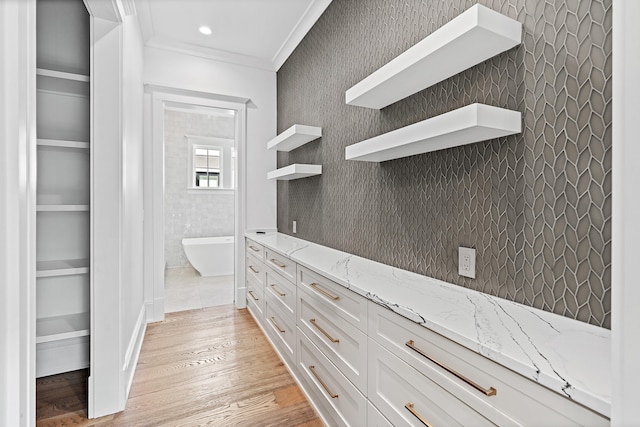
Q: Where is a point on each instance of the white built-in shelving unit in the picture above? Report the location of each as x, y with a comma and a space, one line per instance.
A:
466, 125
474, 36
63, 187
295, 171
292, 138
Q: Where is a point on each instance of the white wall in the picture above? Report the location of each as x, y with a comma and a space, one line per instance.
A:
17, 213
176, 70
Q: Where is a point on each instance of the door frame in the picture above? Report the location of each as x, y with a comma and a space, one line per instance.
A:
156, 97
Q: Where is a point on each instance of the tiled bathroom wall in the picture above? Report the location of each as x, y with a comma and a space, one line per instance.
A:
535, 206
190, 213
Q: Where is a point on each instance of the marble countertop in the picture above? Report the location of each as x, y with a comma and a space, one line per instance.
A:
565, 355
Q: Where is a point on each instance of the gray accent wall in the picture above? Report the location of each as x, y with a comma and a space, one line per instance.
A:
192, 213
535, 206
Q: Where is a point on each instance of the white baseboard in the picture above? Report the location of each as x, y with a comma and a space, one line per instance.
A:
241, 297
133, 349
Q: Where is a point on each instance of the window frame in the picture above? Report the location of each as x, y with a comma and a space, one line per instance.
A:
226, 146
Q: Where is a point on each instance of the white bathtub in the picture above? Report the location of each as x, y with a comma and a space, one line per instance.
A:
211, 256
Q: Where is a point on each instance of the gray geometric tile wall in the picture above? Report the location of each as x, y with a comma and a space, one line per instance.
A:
536, 206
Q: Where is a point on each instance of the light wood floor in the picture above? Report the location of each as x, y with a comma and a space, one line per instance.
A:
209, 366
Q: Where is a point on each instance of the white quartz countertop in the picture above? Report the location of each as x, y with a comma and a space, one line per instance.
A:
565, 355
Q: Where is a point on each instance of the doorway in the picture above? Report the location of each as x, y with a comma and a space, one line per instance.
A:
209, 178
200, 159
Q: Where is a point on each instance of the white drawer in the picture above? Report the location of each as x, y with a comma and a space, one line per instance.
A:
283, 291
344, 344
375, 418
281, 328
407, 398
345, 303
255, 249
255, 295
255, 269
281, 264
517, 400
348, 404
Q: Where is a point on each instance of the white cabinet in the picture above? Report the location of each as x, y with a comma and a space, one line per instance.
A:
63, 188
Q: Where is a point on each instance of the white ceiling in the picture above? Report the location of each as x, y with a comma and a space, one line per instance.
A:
257, 33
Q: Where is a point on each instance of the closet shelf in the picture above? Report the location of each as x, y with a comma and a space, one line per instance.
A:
61, 143
466, 125
294, 137
62, 208
474, 36
295, 171
62, 75
63, 267
62, 327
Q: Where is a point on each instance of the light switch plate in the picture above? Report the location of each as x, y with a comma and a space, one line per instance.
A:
295, 227
467, 262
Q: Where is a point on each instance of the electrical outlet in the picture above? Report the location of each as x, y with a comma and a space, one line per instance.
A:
295, 227
467, 262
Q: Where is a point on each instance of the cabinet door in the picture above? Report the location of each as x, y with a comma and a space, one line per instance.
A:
408, 398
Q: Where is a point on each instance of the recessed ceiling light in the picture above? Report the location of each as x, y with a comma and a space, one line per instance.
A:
205, 30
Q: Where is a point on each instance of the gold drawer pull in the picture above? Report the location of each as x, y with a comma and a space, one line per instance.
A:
278, 263
253, 296
332, 339
277, 291
487, 392
282, 331
253, 248
317, 288
415, 413
253, 269
315, 374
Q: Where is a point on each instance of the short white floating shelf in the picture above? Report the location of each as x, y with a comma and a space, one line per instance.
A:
59, 143
466, 125
62, 327
65, 267
294, 137
474, 36
295, 171
62, 208
62, 75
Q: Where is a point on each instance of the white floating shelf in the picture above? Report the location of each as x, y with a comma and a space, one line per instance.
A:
294, 137
62, 75
474, 36
62, 208
466, 125
65, 267
295, 171
62, 327
59, 143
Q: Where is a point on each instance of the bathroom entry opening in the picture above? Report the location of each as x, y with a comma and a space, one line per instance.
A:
200, 163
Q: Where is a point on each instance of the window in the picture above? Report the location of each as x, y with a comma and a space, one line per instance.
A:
211, 163
207, 167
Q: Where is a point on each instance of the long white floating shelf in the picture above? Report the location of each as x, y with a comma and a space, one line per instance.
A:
64, 267
60, 143
294, 137
62, 208
466, 125
62, 327
474, 36
295, 171
62, 75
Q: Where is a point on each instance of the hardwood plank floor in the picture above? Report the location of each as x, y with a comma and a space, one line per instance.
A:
204, 367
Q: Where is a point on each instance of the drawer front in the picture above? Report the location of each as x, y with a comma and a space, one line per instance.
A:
407, 398
281, 328
283, 291
345, 303
255, 249
255, 296
256, 269
281, 264
517, 400
348, 404
375, 418
344, 344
